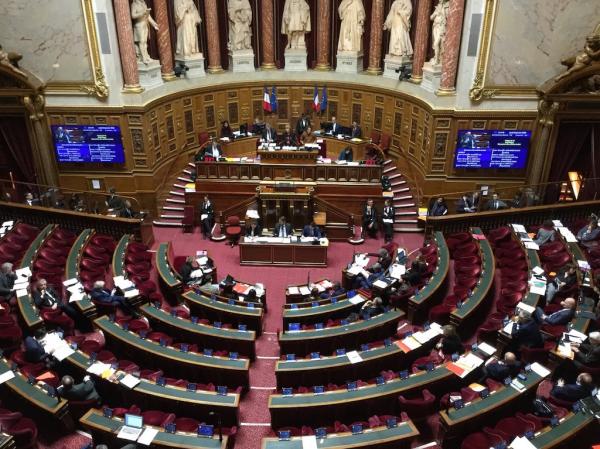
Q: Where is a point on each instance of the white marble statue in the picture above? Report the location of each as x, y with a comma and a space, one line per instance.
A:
142, 21
240, 19
187, 18
438, 30
398, 23
352, 15
295, 23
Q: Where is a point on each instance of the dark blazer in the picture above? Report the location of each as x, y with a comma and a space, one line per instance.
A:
265, 134
347, 156
389, 213
207, 209
452, 345
288, 230
226, 131
438, 210
7, 282
127, 213
288, 139
568, 279
84, 391
527, 334
500, 370
48, 299
495, 205
415, 274
257, 231
301, 125
367, 217
588, 355
208, 150
462, 205
309, 231
185, 272
114, 202
34, 351
335, 128
356, 132
103, 295
570, 392
562, 316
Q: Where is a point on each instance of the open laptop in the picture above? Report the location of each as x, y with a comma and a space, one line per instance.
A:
132, 428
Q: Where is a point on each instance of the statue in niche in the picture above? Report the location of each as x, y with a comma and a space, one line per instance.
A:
142, 20
187, 19
10, 60
240, 19
398, 22
352, 14
590, 53
438, 30
295, 22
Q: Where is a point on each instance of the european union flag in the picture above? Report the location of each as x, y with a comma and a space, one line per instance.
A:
273, 100
324, 100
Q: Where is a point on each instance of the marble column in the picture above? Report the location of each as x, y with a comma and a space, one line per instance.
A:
376, 38
422, 26
131, 76
268, 38
451, 52
323, 34
165, 53
212, 31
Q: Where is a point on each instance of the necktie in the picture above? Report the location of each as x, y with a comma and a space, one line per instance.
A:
495, 204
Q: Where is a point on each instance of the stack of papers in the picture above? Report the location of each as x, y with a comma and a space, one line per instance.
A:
519, 228
557, 223
465, 364
77, 292
123, 283
380, 283
525, 308
486, 348
564, 350
567, 234
537, 286
576, 336
354, 357
540, 370
5, 377
538, 271
532, 245
147, 437
397, 270
304, 290
408, 344
293, 291
357, 299
517, 385
362, 260
131, 293
521, 443
508, 328
196, 274
424, 336
129, 381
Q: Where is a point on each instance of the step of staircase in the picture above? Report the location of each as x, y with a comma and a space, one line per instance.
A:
182, 179
389, 169
387, 162
167, 223
402, 190
175, 201
187, 172
397, 183
192, 165
396, 176
407, 221
179, 186
176, 193
173, 208
174, 216
411, 213
407, 229
403, 198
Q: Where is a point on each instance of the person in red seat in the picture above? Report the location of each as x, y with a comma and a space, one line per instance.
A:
100, 294
44, 296
562, 316
7, 281
85, 391
588, 234
582, 388
450, 342
587, 354
562, 282
501, 369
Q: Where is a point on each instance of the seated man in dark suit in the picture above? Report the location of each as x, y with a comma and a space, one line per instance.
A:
302, 124
438, 208
335, 290
587, 354
417, 270
450, 343
102, 295
564, 280
84, 391
334, 128
346, 155
113, 201
283, 228
212, 150
253, 229
376, 273
257, 126
496, 203
46, 297
501, 369
562, 316
311, 230
464, 205
373, 307
127, 211
582, 388
7, 281
383, 258
269, 134
356, 131
288, 138
525, 332
34, 351
30, 200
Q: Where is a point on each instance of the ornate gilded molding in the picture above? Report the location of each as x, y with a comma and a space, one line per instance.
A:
35, 106
100, 88
546, 111
477, 92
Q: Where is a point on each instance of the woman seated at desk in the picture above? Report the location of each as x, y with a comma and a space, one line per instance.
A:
226, 130
253, 229
308, 136
346, 154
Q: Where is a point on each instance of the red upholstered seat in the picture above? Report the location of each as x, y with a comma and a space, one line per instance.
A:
141, 256
90, 346
106, 356
499, 234
185, 424
128, 366
233, 229
23, 430
513, 427
418, 408
375, 136
157, 336
157, 418
479, 440
150, 374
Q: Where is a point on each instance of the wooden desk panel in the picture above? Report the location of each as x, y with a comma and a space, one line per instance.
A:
283, 254
288, 157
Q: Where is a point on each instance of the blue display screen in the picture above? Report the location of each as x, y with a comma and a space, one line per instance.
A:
88, 144
492, 149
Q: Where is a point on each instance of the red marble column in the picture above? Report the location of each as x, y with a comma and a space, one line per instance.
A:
268, 37
131, 76
422, 26
452, 47
323, 34
376, 38
165, 53
212, 29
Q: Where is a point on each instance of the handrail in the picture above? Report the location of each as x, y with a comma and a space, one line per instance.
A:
230, 209
182, 151
334, 207
411, 180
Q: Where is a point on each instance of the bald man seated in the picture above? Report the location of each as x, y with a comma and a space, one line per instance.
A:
499, 370
582, 388
85, 391
562, 316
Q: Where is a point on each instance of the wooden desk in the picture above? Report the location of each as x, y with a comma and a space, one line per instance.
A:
195, 367
334, 146
288, 157
217, 310
118, 261
202, 334
283, 254
375, 438
348, 336
570, 426
150, 396
319, 313
104, 430
168, 279
85, 306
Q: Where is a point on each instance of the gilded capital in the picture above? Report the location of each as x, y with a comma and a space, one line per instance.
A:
546, 111
35, 106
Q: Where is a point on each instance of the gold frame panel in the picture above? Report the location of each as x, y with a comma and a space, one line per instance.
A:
97, 85
481, 89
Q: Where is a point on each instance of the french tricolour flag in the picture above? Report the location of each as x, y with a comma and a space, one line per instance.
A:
316, 105
267, 100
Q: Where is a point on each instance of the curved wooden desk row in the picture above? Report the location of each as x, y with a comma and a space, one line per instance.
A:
216, 310
105, 430
349, 336
33, 400
150, 396
193, 366
476, 306
435, 290
85, 306
232, 340
338, 368
168, 279
299, 298
376, 438
340, 308
118, 260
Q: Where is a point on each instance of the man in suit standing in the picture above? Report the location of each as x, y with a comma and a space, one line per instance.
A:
46, 297
464, 205
562, 316
496, 203
269, 134
388, 216
30, 200
499, 370
100, 294
113, 201
207, 214
283, 229
356, 131
311, 230
84, 391
369, 219
582, 388
7, 281
302, 124
335, 129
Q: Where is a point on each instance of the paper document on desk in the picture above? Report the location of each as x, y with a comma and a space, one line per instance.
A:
574, 333
397, 270
519, 228
293, 291
131, 293
197, 273
517, 385
525, 308
509, 327
380, 284
147, 437
565, 351
203, 260
76, 288
70, 282
309, 442
362, 260
356, 299
521, 443
5, 377
22, 292
129, 381
63, 351
129, 433
537, 270
97, 368
304, 290
76, 297
354, 270
532, 245
424, 336
557, 223
23, 272
486, 348
354, 357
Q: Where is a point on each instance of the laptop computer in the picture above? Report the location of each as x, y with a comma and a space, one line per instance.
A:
132, 427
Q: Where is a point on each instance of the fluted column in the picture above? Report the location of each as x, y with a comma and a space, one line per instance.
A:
212, 31
421, 39
131, 76
268, 39
165, 53
323, 34
452, 47
376, 38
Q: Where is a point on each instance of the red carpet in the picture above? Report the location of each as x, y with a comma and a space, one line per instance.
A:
254, 414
